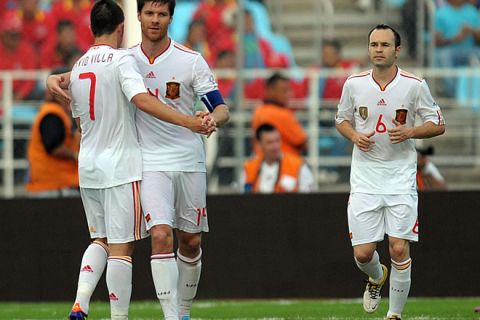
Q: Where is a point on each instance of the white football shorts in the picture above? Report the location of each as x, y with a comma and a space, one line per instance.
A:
371, 216
177, 199
114, 213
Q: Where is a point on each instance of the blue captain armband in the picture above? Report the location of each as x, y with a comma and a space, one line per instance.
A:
212, 99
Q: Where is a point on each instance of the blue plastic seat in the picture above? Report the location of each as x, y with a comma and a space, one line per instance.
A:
181, 19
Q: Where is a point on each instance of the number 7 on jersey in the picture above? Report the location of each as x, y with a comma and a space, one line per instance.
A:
93, 84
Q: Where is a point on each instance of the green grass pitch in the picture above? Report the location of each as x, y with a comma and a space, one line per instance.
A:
424, 309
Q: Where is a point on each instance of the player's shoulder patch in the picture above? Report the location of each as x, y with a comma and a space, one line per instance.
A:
410, 75
185, 49
359, 75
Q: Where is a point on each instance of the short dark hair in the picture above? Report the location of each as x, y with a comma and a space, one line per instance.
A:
274, 78
266, 127
171, 5
333, 43
224, 53
398, 40
105, 17
62, 24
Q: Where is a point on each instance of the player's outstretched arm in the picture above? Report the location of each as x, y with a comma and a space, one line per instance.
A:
159, 110
57, 84
362, 141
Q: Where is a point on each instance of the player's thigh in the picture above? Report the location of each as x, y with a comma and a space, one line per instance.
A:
123, 215
157, 198
365, 218
401, 214
190, 202
92, 204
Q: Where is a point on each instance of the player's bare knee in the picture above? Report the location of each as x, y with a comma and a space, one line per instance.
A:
363, 256
399, 251
189, 244
162, 237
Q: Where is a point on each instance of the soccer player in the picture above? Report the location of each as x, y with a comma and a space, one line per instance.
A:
103, 83
383, 196
174, 174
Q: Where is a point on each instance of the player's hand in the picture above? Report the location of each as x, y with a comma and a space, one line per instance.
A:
201, 125
400, 133
53, 86
363, 141
208, 120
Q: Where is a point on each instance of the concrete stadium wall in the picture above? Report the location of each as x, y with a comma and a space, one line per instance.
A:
260, 246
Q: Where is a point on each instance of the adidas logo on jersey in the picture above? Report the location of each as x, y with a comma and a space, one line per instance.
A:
381, 102
87, 268
151, 75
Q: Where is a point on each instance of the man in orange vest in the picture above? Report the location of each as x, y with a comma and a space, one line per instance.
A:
275, 111
428, 176
274, 170
53, 152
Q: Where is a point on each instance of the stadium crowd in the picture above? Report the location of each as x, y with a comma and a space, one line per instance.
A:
49, 34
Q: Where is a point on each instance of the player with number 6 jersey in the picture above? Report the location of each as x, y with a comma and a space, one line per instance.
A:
377, 112
387, 168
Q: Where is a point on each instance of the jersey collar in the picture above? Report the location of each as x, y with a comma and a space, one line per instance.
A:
159, 57
389, 85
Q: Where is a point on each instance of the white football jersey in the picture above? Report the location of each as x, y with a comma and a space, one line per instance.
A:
387, 168
178, 77
102, 83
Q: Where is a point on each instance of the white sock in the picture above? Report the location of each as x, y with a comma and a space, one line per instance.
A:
189, 271
93, 263
165, 278
119, 283
400, 281
373, 268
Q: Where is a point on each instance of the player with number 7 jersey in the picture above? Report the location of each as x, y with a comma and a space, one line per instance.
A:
104, 83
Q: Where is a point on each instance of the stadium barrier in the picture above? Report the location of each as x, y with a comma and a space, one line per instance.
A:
263, 246
227, 150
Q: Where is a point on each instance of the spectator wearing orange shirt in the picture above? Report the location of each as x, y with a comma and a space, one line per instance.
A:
55, 54
34, 19
15, 54
275, 112
76, 11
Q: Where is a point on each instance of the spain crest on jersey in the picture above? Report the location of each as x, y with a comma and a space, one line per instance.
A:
173, 90
401, 115
363, 111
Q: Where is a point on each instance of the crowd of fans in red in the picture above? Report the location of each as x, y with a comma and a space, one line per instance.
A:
32, 38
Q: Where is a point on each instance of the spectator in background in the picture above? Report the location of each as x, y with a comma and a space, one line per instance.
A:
16, 54
428, 176
197, 40
77, 12
258, 53
331, 88
55, 54
457, 26
275, 112
53, 151
35, 27
226, 60
275, 171
213, 13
